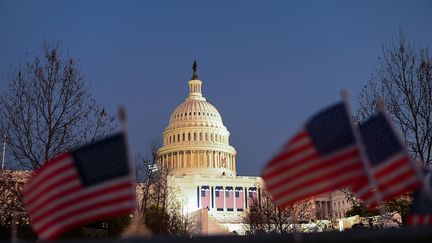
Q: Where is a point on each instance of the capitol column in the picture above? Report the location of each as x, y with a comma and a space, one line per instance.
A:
178, 159
198, 159
205, 158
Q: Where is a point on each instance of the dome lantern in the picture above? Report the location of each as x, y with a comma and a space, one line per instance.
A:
195, 84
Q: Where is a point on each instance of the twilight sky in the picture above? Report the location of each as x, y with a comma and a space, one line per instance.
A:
266, 65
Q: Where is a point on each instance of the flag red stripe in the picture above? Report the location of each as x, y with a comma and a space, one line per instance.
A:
105, 215
391, 166
49, 172
83, 196
313, 165
54, 160
284, 203
42, 199
49, 224
56, 181
412, 186
393, 174
303, 134
325, 177
394, 181
289, 153
290, 164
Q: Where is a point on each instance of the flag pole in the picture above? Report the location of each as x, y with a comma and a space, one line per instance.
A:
364, 158
124, 128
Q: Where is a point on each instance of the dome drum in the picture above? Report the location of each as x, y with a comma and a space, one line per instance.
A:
196, 140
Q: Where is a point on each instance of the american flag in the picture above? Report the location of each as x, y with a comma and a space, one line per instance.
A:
322, 157
205, 196
421, 211
229, 197
79, 187
219, 191
239, 195
392, 169
253, 196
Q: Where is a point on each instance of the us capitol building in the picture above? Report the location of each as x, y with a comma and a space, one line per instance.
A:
196, 147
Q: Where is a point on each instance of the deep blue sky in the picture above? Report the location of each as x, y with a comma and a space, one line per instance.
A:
267, 66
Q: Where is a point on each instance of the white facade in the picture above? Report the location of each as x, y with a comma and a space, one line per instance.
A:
196, 147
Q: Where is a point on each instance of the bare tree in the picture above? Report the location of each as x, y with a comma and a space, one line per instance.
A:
48, 108
163, 214
264, 216
404, 81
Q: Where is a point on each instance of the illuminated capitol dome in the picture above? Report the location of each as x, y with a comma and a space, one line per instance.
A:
196, 147
196, 140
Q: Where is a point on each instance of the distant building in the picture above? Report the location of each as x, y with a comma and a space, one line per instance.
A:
196, 147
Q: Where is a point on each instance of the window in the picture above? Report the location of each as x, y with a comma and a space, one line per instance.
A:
237, 194
183, 136
201, 138
217, 193
227, 194
189, 137
195, 137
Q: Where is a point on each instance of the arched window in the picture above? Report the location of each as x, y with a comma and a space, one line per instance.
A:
178, 137
183, 137
195, 137
201, 138
206, 136
189, 137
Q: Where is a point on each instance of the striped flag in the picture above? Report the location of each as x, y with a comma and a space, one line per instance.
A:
205, 196
392, 168
229, 197
79, 187
421, 211
322, 157
253, 195
239, 195
219, 191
